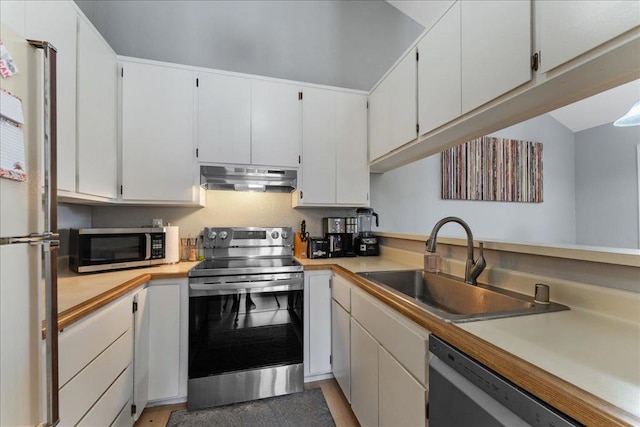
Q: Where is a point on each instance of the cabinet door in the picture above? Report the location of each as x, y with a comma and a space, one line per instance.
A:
56, 22
341, 348
379, 125
364, 376
164, 340
319, 146
97, 114
224, 119
318, 324
401, 397
157, 133
439, 72
141, 352
275, 124
393, 108
496, 49
567, 29
403, 105
352, 174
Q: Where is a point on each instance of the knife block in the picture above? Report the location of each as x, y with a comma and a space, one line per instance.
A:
299, 246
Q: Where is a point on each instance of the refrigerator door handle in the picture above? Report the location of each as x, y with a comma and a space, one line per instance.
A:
32, 239
50, 247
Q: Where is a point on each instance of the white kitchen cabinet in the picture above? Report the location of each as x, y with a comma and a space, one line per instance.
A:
352, 171
364, 375
56, 22
496, 49
317, 323
393, 107
401, 399
97, 120
94, 354
224, 119
565, 29
439, 72
391, 349
164, 339
335, 168
157, 116
141, 352
319, 144
341, 348
275, 124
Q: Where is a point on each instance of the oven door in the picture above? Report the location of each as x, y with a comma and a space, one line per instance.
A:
245, 338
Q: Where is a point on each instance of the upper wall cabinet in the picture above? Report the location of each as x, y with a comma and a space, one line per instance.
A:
97, 114
496, 49
439, 72
157, 133
335, 169
567, 29
224, 119
352, 162
393, 108
275, 124
56, 22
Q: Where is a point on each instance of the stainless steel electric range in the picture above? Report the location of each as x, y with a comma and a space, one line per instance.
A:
245, 317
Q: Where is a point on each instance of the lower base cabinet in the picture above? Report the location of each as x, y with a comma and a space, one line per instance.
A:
317, 324
96, 367
364, 376
386, 377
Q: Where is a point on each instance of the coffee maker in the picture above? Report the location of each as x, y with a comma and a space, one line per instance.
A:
339, 233
366, 244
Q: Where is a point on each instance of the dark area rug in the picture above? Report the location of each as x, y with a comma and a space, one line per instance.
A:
307, 408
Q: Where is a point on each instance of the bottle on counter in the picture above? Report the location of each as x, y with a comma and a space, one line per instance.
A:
193, 248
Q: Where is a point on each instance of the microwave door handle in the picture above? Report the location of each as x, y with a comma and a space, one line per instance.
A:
148, 246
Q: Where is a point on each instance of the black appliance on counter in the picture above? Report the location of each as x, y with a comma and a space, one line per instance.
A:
245, 317
318, 247
366, 244
339, 233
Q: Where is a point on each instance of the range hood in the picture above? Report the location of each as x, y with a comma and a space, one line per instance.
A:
248, 179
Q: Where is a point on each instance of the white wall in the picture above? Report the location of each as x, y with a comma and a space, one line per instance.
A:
408, 199
607, 186
338, 43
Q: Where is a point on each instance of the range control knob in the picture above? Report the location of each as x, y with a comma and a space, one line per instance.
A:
285, 234
275, 235
223, 235
212, 235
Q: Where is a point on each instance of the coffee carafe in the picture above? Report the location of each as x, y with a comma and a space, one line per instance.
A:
366, 243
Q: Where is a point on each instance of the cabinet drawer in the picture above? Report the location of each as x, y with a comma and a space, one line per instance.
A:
341, 292
402, 338
82, 342
124, 418
112, 403
82, 392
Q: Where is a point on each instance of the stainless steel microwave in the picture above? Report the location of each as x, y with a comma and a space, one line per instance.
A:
100, 249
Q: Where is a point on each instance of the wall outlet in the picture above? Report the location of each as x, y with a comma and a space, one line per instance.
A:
156, 222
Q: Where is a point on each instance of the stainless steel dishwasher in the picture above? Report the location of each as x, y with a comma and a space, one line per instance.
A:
463, 392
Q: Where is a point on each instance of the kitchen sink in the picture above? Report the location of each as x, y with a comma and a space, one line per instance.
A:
455, 301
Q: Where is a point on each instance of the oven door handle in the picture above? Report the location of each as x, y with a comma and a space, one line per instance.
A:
221, 288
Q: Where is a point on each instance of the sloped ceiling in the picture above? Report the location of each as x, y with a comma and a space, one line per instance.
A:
339, 43
600, 109
425, 13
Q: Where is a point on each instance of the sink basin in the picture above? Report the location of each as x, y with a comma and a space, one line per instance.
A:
455, 301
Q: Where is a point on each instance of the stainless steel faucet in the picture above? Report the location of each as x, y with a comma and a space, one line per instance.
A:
473, 268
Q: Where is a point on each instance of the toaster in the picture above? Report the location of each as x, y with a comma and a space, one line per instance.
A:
318, 247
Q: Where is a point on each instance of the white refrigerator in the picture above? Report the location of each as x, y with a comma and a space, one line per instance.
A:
29, 240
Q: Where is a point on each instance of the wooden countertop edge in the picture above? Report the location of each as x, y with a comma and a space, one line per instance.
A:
566, 397
82, 310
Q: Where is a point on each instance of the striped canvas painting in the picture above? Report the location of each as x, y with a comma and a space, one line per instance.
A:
493, 169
